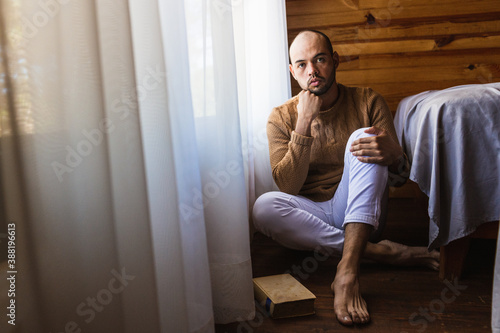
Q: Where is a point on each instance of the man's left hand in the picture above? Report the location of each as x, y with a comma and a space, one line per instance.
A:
379, 149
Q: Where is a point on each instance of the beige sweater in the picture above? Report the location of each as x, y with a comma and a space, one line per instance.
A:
312, 166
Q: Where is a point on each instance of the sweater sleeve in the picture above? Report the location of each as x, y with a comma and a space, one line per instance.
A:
289, 154
381, 117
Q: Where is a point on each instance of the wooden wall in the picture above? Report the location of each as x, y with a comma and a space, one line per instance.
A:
403, 47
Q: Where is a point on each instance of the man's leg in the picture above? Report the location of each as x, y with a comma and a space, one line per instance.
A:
349, 306
362, 187
388, 252
360, 197
297, 222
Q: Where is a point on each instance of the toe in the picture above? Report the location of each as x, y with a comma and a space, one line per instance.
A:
344, 318
356, 318
365, 317
361, 310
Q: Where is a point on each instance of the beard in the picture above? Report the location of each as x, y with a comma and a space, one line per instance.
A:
318, 91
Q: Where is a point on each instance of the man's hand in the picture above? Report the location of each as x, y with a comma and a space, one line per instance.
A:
308, 110
379, 149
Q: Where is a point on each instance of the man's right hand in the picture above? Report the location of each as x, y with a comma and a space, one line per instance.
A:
307, 109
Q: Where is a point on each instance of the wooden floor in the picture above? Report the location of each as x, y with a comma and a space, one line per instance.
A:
399, 299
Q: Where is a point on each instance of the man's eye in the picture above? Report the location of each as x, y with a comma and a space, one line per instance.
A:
321, 59
300, 66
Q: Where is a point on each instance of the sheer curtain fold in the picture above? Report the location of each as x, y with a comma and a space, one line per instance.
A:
131, 156
267, 82
160, 166
192, 228
125, 156
222, 195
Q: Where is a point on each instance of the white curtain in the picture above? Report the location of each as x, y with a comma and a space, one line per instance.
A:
132, 149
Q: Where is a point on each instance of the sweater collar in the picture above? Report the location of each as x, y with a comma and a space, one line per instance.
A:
338, 101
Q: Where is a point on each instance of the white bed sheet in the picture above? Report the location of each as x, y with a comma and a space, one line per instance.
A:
452, 138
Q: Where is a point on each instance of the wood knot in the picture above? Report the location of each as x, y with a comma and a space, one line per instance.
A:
471, 67
370, 19
445, 41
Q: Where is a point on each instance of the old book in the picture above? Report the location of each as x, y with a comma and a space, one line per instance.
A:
283, 296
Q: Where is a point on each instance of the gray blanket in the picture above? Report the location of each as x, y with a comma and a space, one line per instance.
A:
452, 138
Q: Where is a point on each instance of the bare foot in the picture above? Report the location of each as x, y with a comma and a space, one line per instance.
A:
350, 308
403, 255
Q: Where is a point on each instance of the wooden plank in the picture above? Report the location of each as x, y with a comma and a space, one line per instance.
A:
366, 33
372, 4
416, 74
426, 59
308, 7
393, 102
325, 19
439, 9
473, 43
406, 31
404, 89
421, 59
405, 46
299, 8
383, 17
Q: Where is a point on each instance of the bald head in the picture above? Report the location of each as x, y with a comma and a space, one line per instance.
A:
313, 63
309, 36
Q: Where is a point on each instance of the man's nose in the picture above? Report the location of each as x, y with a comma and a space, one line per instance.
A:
312, 69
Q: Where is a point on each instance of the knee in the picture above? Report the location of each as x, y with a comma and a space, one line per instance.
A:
357, 134
263, 210
271, 213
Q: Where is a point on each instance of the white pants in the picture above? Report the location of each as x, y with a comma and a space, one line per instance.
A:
300, 223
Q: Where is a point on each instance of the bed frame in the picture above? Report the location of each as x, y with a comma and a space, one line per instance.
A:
453, 255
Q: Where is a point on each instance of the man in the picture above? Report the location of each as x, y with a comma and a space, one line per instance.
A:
333, 149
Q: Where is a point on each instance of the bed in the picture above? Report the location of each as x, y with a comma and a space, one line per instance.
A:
452, 139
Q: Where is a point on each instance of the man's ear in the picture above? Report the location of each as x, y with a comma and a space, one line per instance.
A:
290, 66
336, 59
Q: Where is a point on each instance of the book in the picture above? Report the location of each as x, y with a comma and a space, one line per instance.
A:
283, 296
